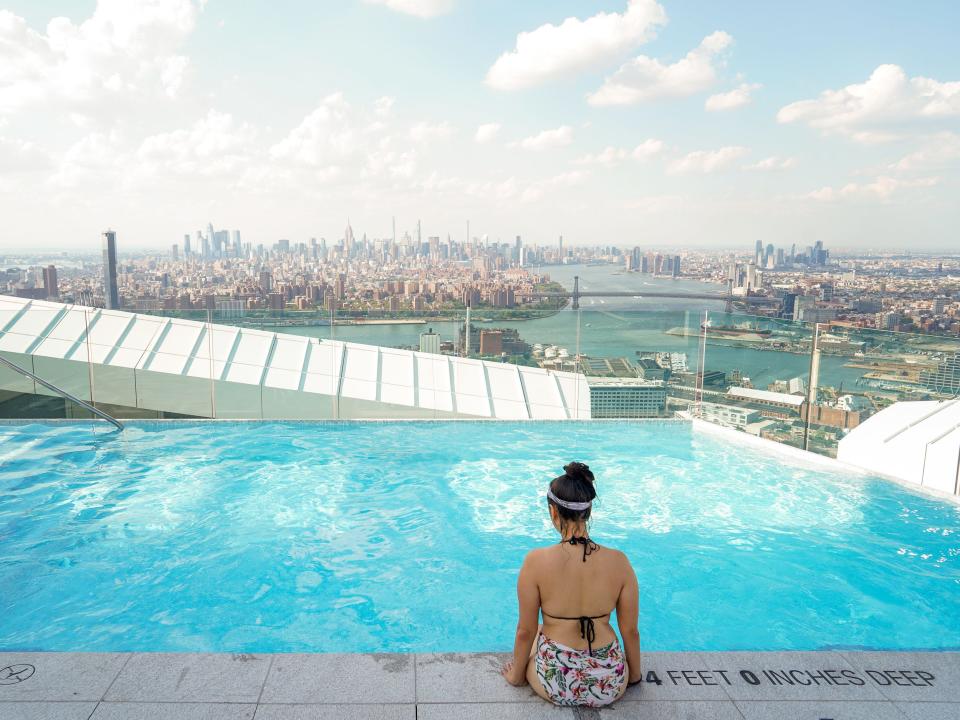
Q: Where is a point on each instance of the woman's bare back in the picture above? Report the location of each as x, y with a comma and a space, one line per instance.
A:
571, 588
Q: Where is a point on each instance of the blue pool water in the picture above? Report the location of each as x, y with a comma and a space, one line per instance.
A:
407, 537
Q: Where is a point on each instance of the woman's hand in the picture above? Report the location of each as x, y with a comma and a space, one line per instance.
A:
509, 672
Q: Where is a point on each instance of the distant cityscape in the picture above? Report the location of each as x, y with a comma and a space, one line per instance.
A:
390, 277
776, 294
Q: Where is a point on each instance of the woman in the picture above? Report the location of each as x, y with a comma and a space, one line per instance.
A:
574, 658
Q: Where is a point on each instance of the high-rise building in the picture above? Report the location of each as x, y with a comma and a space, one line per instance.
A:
221, 243
111, 292
430, 342
491, 342
186, 245
676, 265
946, 378
174, 252
615, 397
50, 281
801, 304
266, 281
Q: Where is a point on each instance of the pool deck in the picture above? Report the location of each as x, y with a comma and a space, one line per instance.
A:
692, 686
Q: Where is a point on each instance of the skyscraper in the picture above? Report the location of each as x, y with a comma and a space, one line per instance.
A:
111, 293
50, 281
186, 245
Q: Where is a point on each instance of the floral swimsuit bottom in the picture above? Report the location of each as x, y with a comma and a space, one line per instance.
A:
577, 677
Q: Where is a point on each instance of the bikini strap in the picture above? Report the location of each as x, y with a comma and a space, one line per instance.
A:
587, 629
589, 546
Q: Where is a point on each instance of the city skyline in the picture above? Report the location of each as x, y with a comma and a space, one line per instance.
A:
622, 122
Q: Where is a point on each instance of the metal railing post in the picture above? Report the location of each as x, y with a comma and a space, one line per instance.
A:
63, 393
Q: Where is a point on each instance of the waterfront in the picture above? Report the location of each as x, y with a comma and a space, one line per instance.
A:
617, 327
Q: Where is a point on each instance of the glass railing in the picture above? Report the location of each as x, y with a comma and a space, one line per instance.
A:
757, 375
796, 383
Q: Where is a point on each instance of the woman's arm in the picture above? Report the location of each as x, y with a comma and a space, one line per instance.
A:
528, 595
628, 612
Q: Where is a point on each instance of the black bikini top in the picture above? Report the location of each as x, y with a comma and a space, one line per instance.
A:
587, 629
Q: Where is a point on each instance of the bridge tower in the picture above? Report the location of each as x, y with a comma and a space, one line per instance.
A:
576, 292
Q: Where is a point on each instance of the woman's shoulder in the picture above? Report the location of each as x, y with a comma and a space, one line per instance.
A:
617, 556
538, 553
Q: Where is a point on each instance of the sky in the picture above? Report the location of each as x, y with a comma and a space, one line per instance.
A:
629, 122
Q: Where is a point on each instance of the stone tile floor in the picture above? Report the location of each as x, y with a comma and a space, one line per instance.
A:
677, 686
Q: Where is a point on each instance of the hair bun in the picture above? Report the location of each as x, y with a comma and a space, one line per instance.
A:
578, 470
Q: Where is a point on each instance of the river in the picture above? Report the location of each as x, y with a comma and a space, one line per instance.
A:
618, 327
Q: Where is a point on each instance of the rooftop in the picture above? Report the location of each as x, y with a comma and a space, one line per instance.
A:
765, 396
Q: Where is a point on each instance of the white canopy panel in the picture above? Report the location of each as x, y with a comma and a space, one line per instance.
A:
918, 442
170, 356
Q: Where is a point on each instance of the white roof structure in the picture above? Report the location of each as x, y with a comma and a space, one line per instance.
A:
917, 442
765, 396
207, 370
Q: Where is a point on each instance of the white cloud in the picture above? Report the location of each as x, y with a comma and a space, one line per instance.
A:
126, 48
487, 132
552, 51
424, 132
937, 152
612, 156
214, 145
882, 188
359, 150
656, 203
644, 78
356, 146
21, 156
738, 97
608, 157
707, 161
325, 136
95, 159
419, 8
538, 190
383, 107
887, 98
547, 139
774, 162
490, 190
647, 149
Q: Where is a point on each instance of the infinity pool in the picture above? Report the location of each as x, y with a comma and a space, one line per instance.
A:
360, 537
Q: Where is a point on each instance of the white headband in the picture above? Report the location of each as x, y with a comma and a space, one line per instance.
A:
569, 505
